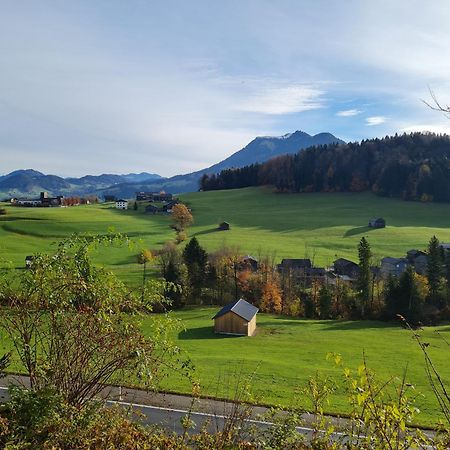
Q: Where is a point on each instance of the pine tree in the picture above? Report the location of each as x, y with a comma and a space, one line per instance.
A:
364, 276
174, 279
434, 270
196, 260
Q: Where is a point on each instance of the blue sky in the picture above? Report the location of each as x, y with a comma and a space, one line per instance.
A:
174, 86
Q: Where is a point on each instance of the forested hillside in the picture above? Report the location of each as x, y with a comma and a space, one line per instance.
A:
410, 166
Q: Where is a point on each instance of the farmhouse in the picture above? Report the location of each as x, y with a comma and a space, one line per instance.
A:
294, 264
224, 226
44, 201
419, 260
346, 267
237, 318
393, 266
151, 209
250, 262
377, 222
121, 204
167, 208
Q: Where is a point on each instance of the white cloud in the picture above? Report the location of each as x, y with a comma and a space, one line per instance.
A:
375, 120
349, 113
283, 100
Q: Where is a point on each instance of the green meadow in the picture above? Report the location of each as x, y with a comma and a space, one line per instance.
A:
319, 226
286, 352
278, 361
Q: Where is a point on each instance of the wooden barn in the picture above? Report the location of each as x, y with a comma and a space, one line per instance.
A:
377, 222
238, 318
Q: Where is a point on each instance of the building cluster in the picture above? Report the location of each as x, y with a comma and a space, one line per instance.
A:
44, 200
345, 271
165, 208
159, 202
154, 196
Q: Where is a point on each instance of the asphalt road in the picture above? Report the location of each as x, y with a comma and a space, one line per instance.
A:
170, 411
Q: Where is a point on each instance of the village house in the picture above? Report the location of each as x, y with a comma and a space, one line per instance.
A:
167, 208
236, 318
377, 222
419, 260
121, 204
294, 264
151, 209
43, 201
393, 266
250, 262
335, 280
345, 267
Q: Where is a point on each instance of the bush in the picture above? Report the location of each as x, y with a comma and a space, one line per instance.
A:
2, 211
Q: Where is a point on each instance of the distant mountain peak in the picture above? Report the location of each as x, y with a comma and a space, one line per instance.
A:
263, 148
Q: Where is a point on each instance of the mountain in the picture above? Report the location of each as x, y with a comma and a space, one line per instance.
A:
264, 148
29, 183
259, 150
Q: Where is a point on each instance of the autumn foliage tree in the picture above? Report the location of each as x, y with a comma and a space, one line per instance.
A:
181, 217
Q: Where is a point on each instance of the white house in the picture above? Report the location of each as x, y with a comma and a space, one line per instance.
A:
121, 204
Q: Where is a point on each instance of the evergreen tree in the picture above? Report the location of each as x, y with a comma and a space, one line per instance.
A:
135, 206
447, 275
364, 281
434, 271
196, 260
410, 303
173, 275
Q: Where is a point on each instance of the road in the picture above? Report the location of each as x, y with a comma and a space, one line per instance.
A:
169, 410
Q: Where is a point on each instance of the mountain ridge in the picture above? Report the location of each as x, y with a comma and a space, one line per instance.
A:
27, 182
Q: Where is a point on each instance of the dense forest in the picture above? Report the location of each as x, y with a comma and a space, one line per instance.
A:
410, 166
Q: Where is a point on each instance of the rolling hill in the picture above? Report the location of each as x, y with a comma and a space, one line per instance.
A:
319, 225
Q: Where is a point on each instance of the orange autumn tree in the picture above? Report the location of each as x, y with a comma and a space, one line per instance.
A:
181, 219
271, 300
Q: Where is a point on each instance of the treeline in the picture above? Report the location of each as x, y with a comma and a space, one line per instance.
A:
195, 277
410, 166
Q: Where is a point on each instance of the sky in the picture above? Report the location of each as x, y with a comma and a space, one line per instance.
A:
173, 86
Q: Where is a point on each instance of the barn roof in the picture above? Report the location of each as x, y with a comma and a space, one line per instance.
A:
239, 307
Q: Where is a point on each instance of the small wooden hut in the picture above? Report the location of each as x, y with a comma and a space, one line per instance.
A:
224, 226
377, 222
238, 318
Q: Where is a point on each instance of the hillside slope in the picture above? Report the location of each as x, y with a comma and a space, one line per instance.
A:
412, 166
319, 226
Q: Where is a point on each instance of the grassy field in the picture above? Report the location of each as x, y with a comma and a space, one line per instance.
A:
320, 226
286, 352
